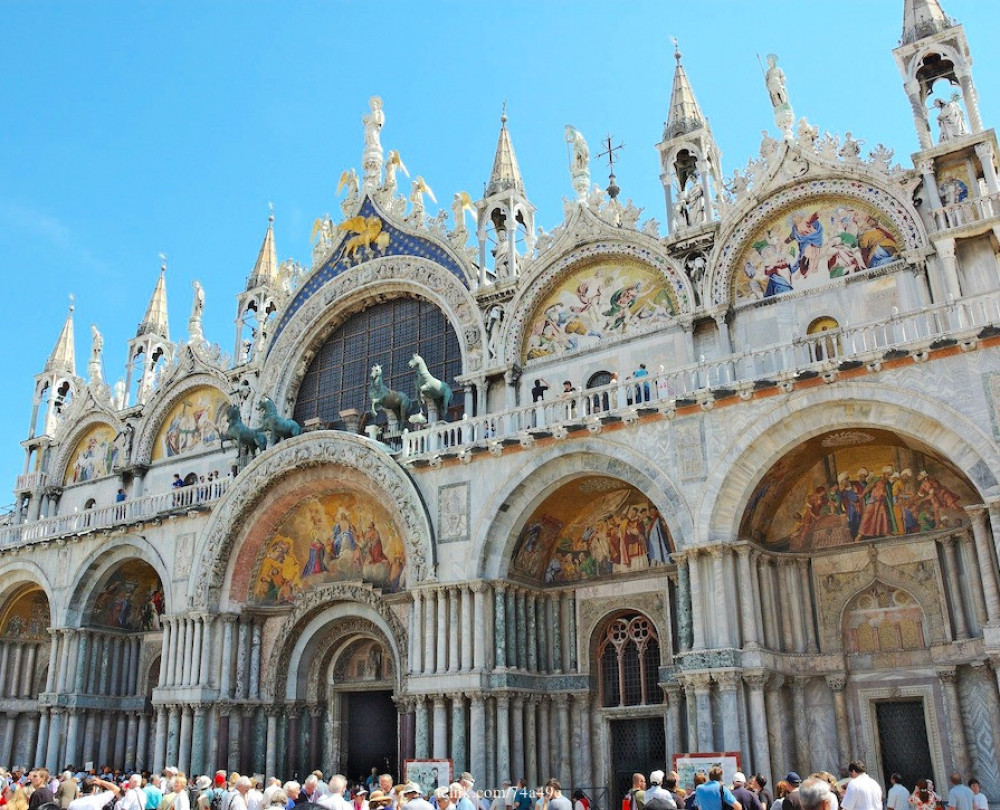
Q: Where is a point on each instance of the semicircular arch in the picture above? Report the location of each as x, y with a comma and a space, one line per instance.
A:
805, 414
223, 541
165, 402
925, 596
353, 291
748, 224
669, 297
498, 532
71, 450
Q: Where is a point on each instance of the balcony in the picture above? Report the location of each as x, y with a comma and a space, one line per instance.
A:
31, 481
967, 212
182, 499
828, 353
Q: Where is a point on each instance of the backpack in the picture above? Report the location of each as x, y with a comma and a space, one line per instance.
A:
215, 803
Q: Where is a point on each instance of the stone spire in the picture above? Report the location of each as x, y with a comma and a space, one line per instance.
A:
155, 321
63, 357
506, 176
922, 18
685, 115
265, 271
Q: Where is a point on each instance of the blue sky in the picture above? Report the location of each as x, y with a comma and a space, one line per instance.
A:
136, 128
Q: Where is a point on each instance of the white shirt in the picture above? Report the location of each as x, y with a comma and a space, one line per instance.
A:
255, 799
237, 802
863, 793
980, 802
961, 797
335, 801
898, 798
134, 799
95, 801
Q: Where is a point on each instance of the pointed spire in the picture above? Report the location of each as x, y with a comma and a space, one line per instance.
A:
63, 357
685, 115
505, 175
922, 18
155, 322
265, 271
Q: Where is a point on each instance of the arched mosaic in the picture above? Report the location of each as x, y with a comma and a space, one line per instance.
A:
130, 597
26, 616
329, 538
812, 242
603, 298
846, 486
95, 456
591, 527
193, 424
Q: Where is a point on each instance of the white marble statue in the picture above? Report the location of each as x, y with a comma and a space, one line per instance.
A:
850, 151
195, 333
579, 162
417, 192
118, 399
774, 78
371, 160
349, 180
96, 347
461, 203
951, 119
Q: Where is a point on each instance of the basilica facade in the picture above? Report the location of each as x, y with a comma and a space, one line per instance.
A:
763, 516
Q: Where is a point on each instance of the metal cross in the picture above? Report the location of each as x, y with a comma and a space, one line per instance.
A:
609, 152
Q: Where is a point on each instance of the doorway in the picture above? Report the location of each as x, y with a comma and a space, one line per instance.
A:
637, 746
373, 742
902, 736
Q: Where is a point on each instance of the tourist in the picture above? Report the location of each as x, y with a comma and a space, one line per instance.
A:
863, 792
758, 784
580, 800
334, 799
134, 798
154, 796
747, 798
691, 800
39, 780
641, 391
655, 789
791, 800
960, 797
815, 794
539, 389
924, 797
553, 793
413, 798
712, 794
95, 792
68, 790
979, 799
898, 797
359, 799
676, 793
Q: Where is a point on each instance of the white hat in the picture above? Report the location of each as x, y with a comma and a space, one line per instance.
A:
739, 778
656, 778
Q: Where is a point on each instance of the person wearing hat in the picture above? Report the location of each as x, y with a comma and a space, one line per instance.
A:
746, 797
359, 800
377, 799
792, 800
413, 798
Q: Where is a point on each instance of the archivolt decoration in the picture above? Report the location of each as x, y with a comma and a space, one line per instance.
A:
305, 331
523, 309
96, 423
898, 214
341, 449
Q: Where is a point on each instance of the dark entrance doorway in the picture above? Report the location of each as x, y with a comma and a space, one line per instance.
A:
902, 735
373, 739
637, 746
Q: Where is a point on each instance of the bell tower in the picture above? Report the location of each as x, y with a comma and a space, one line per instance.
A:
690, 160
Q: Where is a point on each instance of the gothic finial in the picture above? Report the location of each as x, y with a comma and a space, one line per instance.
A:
163, 260
270, 207
677, 51
72, 302
503, 113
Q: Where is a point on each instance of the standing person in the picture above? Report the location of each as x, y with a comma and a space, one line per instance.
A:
924, 797
254, 797
239, 800
746, 797
154, 796
67, 790
655, 788
360, 800
815, 794
691, 800
758, 784
95, 794
960, 797
413, 798
538, 394
39, 779
556, 801
580, 800
335, 798
979, 798
670, 783
792, 800
637, 795
898, 797
134, 798
712, 794
863, 792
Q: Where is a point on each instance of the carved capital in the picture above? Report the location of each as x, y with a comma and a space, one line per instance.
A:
948, 675
837, 681
757, 679
727, 681
926, 167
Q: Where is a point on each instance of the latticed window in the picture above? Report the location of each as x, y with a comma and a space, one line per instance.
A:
387, 334
630, 660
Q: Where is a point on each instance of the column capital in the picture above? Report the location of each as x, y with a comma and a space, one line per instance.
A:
672, 692
744, 549
315, 709
499, 586
503, 699
560, 699
701, 682
800, 681
224, 709
978, 513
836, 681
947, 675
273, 709
727, 680
984, 150
757, 679
438, 700
199, 709
478, 586
925, 166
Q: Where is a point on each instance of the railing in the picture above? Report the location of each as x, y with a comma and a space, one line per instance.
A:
117, 514
976, 209
32, 480
825, 352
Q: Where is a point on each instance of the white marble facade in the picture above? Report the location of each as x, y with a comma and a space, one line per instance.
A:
185, 625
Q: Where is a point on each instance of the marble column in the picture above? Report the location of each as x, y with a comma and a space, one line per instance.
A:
805, 602
422, 722
160, 743
271, 742
416, 634
580, 739
721, 597
530, 741
503, 737
746, 591
440, 728
62, 683
516, 738
477, 730
165, 650
458, 747
52, 750
222, 732
142, 744
455, 631
697, 615
730, 711
801, 724
226, 674
315, 736
197, 762
674, 743
776, 732
500, 625
531, 609
569, 631
522, 632
294, 713
772, 623
703, 698
511, 616
242, 690
469, 629
955, 589
785, 603
42, 740
837, 682
131, 734
256, 631
987, 568
479, 637
443, 630
546, 761
430, 631
189, 664
958, 747
53, 670
204, 676
555, 640
757, 680
173, 733
683, 606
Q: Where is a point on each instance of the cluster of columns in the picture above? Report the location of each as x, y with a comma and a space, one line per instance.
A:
509, 734
20, 662
533, 630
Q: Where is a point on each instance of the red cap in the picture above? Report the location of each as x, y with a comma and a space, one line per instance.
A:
220, 779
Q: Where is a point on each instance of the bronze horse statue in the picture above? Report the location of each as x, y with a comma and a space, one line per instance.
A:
247, 438
277, 426
396, 402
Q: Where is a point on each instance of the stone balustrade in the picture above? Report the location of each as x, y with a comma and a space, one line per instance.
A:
967, 212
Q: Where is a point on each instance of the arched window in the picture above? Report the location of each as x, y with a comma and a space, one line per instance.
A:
629, 655
598, 379
823, 346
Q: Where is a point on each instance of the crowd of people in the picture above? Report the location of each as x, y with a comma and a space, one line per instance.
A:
109, 790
